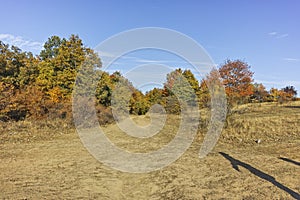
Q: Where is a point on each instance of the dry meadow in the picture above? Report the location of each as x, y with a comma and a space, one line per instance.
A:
46, 160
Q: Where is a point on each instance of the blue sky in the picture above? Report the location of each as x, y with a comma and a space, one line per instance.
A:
266, 34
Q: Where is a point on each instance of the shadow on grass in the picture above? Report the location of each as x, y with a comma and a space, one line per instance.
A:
289, 160
236, 163
292, 106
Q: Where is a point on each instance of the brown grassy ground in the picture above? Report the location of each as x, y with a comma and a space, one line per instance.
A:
46, 160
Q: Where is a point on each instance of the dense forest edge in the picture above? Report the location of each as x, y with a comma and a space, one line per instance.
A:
40, 87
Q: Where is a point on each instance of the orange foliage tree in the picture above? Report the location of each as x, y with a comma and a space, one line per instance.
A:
237, 79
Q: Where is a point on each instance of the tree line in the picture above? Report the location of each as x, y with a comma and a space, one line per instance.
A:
40, 86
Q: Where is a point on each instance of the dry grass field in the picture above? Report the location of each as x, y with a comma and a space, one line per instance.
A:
46, 160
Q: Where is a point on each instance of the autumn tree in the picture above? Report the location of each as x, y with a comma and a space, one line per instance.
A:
209, 84
190, 77
121, 96
18, 72
138, 103
7, 92
61, 60
11, 60
212, 92
237, 79
183, 84
180, 89
290, 91
83, 95
204, 96
155, 96
51, 47
285, 94
260, 94
16, 67
274, 94
104, 89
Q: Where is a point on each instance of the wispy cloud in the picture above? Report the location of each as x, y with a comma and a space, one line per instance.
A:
105, 54
127, 62
277, 35
272, 33
139, 60
292, 59
282, 36
22, 43
156, 61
